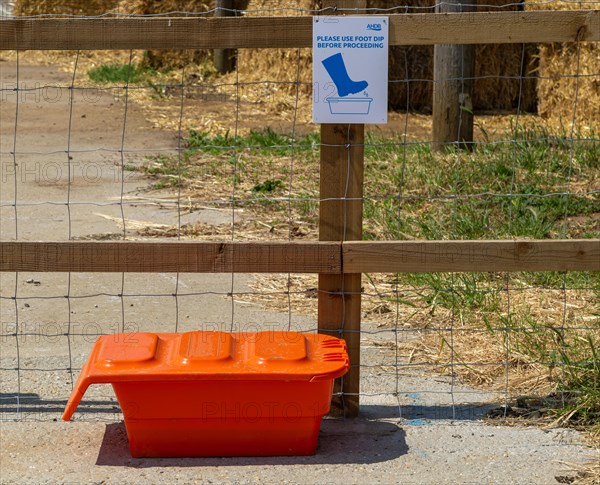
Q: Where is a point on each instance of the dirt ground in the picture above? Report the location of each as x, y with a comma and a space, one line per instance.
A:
415, 427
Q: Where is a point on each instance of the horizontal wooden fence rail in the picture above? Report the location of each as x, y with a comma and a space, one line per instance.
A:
294, 257
281, 32
470, 256
171, 257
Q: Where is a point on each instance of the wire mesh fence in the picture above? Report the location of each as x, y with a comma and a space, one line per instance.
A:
132, 145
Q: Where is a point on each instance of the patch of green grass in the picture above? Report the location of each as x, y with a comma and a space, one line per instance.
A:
120, 73
503, 189
268, 185
555, 279
307, 205
463, 292
263, 142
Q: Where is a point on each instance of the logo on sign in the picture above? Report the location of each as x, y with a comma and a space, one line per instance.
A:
374, 27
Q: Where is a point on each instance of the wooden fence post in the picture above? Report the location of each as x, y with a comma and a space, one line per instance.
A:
224, 58
340, 219
453, 72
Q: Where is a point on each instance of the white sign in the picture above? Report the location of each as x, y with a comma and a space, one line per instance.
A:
350, 69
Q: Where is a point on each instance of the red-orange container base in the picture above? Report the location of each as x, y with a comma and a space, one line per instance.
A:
216, 393
223, 418
222, 437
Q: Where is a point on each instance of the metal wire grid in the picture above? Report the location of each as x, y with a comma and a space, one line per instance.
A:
20, 404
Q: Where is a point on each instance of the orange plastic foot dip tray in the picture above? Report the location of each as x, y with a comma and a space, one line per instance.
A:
216, 393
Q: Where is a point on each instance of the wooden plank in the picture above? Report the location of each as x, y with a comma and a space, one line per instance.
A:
284, 32
171, 257
341, 220
453, 73
494, 27
471, 256
313, 257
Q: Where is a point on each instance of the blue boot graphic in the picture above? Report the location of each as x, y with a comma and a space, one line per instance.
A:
336, 68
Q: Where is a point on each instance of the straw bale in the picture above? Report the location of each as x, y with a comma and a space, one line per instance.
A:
410, 74
165, 59
67, 7
280, 65
505, 72
497, 69
559, 84
410, 68
557, 93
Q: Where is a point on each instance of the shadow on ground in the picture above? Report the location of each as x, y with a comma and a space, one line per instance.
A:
31, 403
431, 412
341, 442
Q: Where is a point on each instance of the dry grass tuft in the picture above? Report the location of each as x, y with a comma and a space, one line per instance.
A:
588, 474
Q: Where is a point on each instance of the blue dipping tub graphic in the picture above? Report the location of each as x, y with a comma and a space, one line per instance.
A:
349, 106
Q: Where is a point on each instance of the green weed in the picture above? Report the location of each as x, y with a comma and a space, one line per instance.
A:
462, 292
120, 73
572, 357
267, 186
